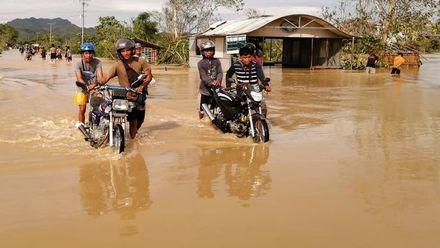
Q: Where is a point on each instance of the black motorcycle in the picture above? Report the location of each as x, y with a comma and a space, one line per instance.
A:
239, 111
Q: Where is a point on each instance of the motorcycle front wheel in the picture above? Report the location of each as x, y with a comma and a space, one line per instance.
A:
261, 130
119, 138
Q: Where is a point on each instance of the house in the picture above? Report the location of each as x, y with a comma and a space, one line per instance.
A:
298, 40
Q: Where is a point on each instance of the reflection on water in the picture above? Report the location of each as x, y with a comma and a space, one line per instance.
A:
241, 168
120, 186
347, 149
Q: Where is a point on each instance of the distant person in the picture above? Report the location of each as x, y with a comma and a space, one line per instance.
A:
43, 53
211, 73
371, 63
28, 55
138, 51
58, 53
53, 53
89, 71
127, 69
68, 54
398, 62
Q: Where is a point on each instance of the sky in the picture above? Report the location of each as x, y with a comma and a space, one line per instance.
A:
123, 10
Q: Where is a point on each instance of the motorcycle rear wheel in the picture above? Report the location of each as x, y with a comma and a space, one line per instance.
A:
261, 130
119, 138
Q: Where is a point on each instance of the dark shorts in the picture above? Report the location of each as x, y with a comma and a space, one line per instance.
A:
136, 114
204, 99
395, 71
53, 56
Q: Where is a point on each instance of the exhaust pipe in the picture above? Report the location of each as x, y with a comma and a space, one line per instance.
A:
207, 111
81, 128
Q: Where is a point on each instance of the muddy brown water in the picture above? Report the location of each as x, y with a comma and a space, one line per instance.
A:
353, 161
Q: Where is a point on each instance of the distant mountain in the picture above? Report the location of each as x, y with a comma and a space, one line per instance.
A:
29, 28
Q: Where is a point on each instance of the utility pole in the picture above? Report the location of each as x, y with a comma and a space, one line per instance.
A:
50, 32
83, 2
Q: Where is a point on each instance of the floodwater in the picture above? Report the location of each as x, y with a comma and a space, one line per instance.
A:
353, 161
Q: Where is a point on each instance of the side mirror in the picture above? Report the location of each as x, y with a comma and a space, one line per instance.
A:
230, 80
138, 81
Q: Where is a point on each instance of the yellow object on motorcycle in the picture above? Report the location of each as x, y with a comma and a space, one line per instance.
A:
80, 98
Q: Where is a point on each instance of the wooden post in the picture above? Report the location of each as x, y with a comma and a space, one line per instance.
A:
270, 50
352, 51
326, 52
311, 56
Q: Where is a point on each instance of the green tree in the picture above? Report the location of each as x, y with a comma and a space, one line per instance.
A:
144, 27
108, 31
8, 36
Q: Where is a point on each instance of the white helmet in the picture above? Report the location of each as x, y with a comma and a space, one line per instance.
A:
207, 45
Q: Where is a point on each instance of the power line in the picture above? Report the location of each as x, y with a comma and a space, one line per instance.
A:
83, 2
50, 32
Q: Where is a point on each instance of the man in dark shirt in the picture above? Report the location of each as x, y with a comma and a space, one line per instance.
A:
211, 73
371, 64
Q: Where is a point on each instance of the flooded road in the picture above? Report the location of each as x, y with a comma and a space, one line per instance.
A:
353, 161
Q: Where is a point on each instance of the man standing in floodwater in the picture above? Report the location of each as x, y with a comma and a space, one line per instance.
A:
127, 69
53, 53
43, 53
398, 61
371, 64
211, 73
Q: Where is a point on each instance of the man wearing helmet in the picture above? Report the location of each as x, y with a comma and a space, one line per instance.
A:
127, 69
138, 51
210, 71
89, 71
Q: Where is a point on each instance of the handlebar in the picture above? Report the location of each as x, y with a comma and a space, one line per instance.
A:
84, 85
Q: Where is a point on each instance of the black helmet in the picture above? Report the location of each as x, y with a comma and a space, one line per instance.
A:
124, 43
252, 47
244, 51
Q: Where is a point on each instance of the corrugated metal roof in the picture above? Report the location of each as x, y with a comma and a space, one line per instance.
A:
235, 27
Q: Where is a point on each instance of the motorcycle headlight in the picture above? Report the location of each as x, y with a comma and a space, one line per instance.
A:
120, 105
257, 96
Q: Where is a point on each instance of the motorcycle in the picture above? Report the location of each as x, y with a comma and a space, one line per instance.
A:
239, 112
109, 108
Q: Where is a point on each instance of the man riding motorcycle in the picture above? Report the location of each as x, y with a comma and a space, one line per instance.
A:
127, 69
210, 71
89, 71
247, 71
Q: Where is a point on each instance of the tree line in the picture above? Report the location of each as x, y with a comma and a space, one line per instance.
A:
8, 36
386, 26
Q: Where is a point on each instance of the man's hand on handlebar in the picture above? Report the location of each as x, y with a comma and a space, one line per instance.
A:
91, 87
139, 89
268, 88
216, 83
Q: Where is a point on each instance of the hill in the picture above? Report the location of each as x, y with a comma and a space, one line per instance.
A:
29, 28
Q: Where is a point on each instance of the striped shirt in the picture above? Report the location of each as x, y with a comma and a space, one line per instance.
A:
245, 74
